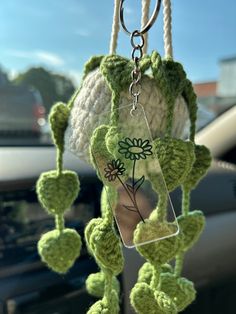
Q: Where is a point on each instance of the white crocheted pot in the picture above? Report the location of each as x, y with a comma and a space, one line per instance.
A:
94, 100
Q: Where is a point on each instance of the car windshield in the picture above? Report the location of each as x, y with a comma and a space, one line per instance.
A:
45, 45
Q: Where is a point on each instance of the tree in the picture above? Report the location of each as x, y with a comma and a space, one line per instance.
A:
52, 87
3, 78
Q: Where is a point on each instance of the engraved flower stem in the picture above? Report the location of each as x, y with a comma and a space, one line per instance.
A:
133, 199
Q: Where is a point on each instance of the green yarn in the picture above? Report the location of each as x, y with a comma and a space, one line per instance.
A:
171, 153
106, 306
99, 154
180, 290
171, 80
116, 70
113, 136
89, 230
56, 193
191, 226
93, 63
58, 119
160, 289
146, 272
159, 252
57, 190
95, 284
145, 63
191, 100
106, 247
200, 167
59, 249
146, 300
109, 199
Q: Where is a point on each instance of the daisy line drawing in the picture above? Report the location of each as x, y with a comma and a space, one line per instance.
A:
135, 150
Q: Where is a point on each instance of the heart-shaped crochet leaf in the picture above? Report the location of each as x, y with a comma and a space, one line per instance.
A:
145, 300
191, 227
106, 306
170, 76
176, 158
180, 290
89, 229
58, 119
145, 273
147, 270
59, 250
106, 248
100, 156
116, 71
95, 284
161, 251
56, 192
200, 167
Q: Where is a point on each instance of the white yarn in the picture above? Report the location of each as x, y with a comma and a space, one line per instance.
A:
93, 103
167, 28
145, 17
115, 27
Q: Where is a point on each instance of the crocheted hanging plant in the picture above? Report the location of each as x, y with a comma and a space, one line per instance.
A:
129, 162
183, 163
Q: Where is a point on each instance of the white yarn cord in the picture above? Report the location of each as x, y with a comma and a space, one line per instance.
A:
115, 27
145, 17
167, 28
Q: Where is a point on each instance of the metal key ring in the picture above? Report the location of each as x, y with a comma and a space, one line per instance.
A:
149, 23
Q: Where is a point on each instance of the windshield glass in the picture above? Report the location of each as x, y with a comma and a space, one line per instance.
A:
44, 46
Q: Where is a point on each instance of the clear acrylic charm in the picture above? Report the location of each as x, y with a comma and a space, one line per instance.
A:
131, 166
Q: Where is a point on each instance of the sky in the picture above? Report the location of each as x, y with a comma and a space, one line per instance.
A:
62, 35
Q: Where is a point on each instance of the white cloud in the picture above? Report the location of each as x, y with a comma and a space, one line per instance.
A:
49, 58
39, 55
82, 32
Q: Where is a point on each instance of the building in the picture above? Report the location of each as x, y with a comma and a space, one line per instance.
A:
218, 96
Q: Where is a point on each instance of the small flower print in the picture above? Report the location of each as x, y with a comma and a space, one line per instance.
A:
135, 149
114, 169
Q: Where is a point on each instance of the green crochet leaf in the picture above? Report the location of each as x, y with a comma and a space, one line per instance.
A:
200, 167
99, 154
145, 63
59, 250
145, 273
116, 71
106, 248
106, 306
95, 284
147, 270
191, 100
58, 119
176, 158
113, 137
145, 300
170, 77
93, 223
93, 63
181, 290
191, 227
159, 252
57, 193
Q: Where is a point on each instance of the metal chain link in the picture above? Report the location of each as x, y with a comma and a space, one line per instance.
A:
137, 54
